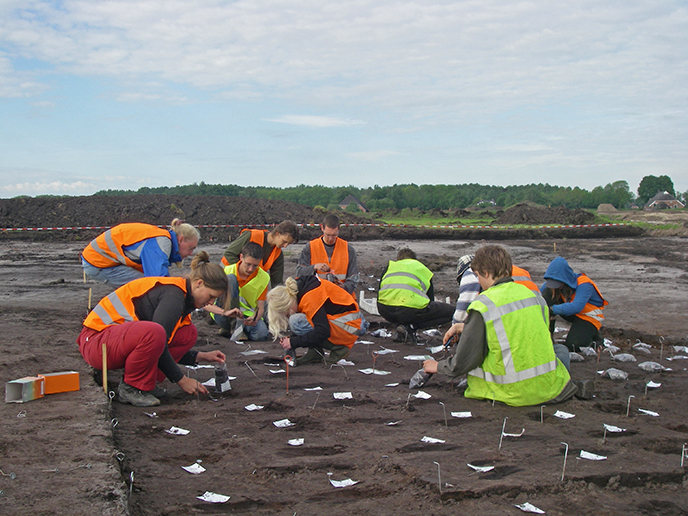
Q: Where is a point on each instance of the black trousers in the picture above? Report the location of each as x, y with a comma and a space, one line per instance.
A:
433, 315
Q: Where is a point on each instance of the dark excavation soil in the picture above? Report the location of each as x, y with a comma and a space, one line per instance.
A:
79, 453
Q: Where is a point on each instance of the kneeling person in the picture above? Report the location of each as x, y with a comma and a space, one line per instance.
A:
505, 345
242, 317
321, 316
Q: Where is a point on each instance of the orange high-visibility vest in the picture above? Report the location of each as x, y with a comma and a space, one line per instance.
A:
106, 249
118, 307
339, 263
259, 237
591, 313
343, 326
522, 276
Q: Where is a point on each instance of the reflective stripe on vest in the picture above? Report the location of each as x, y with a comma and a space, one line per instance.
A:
339, 263
522, 277
251, 290
106, 250
343, 326
520, 367
405, 283
591, 313
494, 314
118, 307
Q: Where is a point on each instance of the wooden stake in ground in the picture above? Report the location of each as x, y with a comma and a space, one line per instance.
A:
105, 384
90, 291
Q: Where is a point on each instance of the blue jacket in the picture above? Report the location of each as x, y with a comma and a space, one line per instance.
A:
560, 270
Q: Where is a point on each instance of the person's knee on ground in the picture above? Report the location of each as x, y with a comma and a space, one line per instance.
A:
562, 353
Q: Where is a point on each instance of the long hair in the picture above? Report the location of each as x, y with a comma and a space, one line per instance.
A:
280, 300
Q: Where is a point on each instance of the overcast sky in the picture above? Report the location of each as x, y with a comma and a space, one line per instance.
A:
99, 94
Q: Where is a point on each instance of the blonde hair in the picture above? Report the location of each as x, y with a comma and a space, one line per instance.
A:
212, 274
184, 230
280, 300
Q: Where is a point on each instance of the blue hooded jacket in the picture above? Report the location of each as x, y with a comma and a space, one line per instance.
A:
560, 270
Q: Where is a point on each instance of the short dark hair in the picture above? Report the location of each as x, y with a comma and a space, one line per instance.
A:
331, 221
287, 227
406, 254
494, 260
253, 250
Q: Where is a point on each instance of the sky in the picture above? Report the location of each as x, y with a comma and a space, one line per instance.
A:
121, 94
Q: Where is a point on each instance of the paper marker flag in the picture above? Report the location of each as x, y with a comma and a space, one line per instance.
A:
422, 395
612, 428
253, 407
313, 388
370, 370
253, 352
432, 440
283, 423
563, 415
343, 483
177, 431
461, 414
648, 412
296, 442
481, 469
529, 507
591, 456
343, 396
213, 497
194, 469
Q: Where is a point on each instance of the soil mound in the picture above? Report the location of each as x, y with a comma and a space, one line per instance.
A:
527, 213
105, 210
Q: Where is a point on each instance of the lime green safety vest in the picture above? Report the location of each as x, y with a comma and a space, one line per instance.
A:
249, 293
520, 368
405, 283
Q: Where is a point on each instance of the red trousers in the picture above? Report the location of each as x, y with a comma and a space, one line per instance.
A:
135, 347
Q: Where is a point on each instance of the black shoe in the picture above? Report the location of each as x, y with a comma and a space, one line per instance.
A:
136, 397
312, 356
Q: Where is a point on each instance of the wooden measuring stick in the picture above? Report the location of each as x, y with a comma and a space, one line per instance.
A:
105, 384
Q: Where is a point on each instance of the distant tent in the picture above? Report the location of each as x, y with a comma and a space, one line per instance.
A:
663, 201
350, 199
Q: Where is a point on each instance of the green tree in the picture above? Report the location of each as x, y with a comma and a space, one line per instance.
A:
652, 185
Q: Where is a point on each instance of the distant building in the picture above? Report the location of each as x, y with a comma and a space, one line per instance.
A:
350, 199
663, 201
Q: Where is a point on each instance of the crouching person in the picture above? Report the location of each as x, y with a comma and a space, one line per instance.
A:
147, 330
321, 316
505, 346
242, 317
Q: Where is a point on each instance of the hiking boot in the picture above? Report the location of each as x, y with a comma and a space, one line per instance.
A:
404, 333
158, 392
312, 356
224, 332
586, 389
136, 397
337, 353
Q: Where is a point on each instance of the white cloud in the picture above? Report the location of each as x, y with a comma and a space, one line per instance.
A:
314, 121
52, 188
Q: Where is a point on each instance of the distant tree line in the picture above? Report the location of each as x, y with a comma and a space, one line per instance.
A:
428, 197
